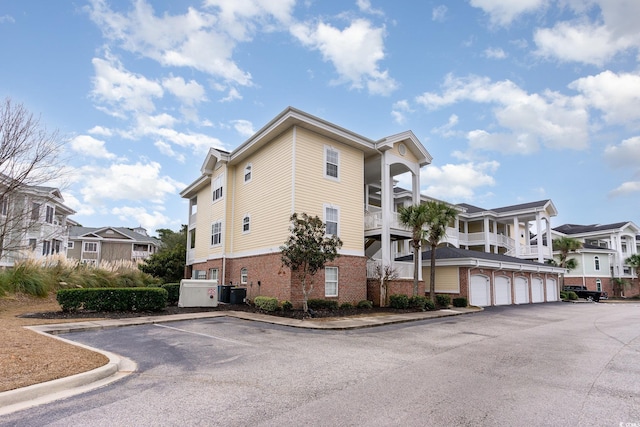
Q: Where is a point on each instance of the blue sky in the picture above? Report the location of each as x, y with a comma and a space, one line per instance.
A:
516, 101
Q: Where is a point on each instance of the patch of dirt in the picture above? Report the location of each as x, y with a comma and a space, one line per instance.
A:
27, 357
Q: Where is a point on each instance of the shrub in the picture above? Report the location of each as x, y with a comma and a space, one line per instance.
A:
418, 301
443, 300
563, 295
460, 302
113, 299
429, 305
173, 289
346, 306
286, 305
266, 303
572, 295
399, 301
365, 304
322, 304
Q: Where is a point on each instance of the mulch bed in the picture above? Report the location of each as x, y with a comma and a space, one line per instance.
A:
293, 314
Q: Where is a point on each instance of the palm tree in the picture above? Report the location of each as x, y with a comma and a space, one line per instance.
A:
415, 218
634, 261
439, 216
566, 245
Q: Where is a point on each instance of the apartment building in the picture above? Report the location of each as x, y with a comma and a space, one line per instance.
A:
93, 245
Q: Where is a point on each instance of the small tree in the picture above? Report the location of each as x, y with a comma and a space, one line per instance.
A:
307, 250
414, 217
384, 275
168, 263
566, 245
439, 216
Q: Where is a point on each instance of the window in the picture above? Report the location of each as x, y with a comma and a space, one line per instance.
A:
32, 244
56, 246
247, 173
194, 205
213, 274
216, 233
46, 247
90, 247
217, 187
596, 263
246, 224
192, 238
35, 212
244, 276
331, 281
331, 220
598, 285
49, 215
4, 207
90, 262
199, 274
332, 158
70, 244
139, 247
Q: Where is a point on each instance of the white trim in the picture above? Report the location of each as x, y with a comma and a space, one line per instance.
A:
248, 230
220, 177
328, 148
293, 169
244, 275
324, 216
244, 174
337, 281
211, 244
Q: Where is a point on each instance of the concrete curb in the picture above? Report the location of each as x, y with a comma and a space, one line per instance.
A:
119, 367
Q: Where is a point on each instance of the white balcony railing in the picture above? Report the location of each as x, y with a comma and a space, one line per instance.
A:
402, 269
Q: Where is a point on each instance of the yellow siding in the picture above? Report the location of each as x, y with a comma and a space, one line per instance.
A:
203, 223
447, 279
313, 190
408, 155
266, 198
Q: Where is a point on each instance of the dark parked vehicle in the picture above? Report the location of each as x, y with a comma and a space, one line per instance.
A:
583, 292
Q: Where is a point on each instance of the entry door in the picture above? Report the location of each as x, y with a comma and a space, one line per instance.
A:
479, 292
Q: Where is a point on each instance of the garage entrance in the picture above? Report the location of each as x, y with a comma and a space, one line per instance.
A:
502, 290
479, 292
522, 291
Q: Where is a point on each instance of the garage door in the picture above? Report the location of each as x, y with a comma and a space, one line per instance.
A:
552, 290
479, 291
502, 287
537, 290
522, 290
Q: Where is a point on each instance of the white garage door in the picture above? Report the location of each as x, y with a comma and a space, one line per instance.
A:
502, 288
552, 290
522, 290
537, 290
479, 291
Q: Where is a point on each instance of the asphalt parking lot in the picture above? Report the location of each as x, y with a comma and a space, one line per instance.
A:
543, 364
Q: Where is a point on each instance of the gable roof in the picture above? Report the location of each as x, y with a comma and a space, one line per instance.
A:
451, 256
79, 232
572, 229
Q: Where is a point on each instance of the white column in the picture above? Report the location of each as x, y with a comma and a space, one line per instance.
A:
386, 200
415, 180
485, 226
516, 235
538, 238
549, 238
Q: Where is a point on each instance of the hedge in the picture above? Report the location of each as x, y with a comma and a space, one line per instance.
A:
322, 304
460, 302
266, 303
174, 292
113, 299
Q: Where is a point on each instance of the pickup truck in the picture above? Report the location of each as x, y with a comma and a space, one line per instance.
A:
583, 292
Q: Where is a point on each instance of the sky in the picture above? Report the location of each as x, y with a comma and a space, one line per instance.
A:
517, 101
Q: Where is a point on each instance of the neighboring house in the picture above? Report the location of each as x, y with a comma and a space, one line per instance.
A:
239, 207
487, 278
602, 258
92, 245
33, 223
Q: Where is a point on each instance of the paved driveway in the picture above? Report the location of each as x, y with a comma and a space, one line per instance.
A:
544, 364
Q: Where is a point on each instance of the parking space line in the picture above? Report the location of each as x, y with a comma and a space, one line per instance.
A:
204, 335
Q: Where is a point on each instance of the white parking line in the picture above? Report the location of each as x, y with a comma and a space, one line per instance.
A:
204, 335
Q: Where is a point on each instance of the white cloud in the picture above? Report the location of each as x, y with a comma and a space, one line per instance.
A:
627, 153
549, 118
439, 13
82, 209
141, 182
626, 188
457, 183
365, 6
189, 93
354, 52
91, 147
243, 127
446, 130
232, 95
100, 130
120, 89
503, 12
167, 150
399, 110
495, 53
151, 221
616, 95
4, 19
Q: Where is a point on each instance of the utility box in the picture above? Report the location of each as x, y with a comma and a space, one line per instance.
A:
198, 293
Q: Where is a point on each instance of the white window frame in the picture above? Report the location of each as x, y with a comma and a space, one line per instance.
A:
326, 208
4, 207
246, 224
596, 263
90, 262
46, 247
33, 244
35, 211
216, 241
598, 285
244, 276
328, 161
331, 286
213, 274
248, 173
87, 245
217, 188
70, 244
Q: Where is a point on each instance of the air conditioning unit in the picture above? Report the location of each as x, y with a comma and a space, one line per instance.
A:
198, 293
